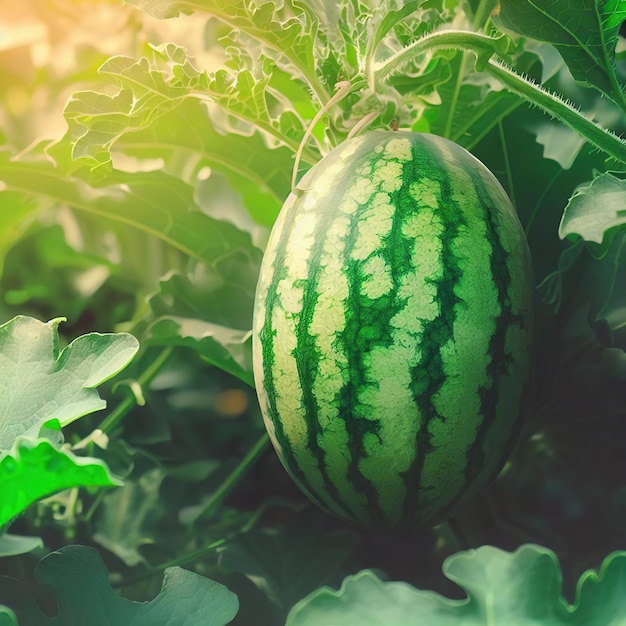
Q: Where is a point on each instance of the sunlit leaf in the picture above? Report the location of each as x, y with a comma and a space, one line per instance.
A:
585, 34
152, 202
39, 383
185, 137
290, 36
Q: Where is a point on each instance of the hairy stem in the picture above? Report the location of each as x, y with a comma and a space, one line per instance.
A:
484, 48
558, 108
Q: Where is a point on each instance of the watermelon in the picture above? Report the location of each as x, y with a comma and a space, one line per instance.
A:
392, 330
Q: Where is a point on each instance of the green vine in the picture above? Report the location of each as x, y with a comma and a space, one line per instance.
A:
485, 47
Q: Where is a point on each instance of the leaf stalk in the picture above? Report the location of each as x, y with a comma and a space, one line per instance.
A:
144, 379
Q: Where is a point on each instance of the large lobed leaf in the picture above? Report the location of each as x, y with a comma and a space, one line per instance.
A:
149, 87
39, 383
521, 588
584, 32
79, 580
42, 385
291, 35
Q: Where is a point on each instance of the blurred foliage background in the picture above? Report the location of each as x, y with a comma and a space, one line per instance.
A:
564, 486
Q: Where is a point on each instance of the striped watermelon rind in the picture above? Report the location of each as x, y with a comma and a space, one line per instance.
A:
392, 330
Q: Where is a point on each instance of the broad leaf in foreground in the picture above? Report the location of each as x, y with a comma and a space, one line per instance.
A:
595, 208
79, 580
35, 468
585, 34
39, 383
521, 588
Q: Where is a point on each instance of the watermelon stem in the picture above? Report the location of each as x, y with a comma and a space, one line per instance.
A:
485, 47
235, 476
364, 121
343, 89
558, 108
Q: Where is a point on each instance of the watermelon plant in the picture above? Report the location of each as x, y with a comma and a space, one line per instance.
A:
318, 219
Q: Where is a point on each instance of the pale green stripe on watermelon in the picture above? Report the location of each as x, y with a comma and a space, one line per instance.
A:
328, 318
386, 368
284, 320
291, 271
263, 287
389, 368
465, 356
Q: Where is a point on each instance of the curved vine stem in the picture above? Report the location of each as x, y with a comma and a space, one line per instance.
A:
343, 89
362, 123
484, 47
236, 475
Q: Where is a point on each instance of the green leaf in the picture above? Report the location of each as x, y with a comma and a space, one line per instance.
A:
521, 588
595, 208
273, 560
127, 517
7, 617
11, 545
150, 87
35, 468
15, 218
185, 137
209, 311
600, 598
585, 35
79, 580
40, 384
152, 202
291, 36
459, 90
